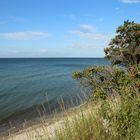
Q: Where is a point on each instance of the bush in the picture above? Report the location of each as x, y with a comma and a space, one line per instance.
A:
121, 117
103, 81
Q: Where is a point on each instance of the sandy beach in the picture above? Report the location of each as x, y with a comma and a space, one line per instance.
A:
46, 127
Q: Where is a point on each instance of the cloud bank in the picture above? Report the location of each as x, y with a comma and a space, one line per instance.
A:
88, 32
130, 1
26, 35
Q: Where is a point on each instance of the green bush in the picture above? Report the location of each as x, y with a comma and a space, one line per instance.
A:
120, 119
103, 81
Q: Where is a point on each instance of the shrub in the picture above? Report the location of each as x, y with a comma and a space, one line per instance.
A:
103, 81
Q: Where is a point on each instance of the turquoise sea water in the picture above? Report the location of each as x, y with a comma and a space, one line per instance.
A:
25, 83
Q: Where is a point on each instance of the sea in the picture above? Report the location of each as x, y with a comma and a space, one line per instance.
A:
29, 84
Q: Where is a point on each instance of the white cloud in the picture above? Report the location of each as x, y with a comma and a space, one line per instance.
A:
70, 16
79, 45
26, 35
88, 42
23, 52
44, 50
100, 19
117, 8
93, 35
88, 32
87, 28
17, 19
86, 49
130, 1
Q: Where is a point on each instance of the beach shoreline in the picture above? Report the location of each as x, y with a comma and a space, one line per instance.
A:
48, 122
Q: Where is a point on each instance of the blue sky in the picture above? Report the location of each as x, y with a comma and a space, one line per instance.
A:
61, 28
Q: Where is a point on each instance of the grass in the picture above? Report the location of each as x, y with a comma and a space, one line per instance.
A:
112, 119
117, 118
85, 125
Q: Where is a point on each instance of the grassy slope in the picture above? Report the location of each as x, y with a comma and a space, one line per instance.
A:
112, 119
79, 124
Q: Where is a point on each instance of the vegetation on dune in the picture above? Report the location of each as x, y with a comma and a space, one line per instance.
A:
117, 119
103, 81
116, 89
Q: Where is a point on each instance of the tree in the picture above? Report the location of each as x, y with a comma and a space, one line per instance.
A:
124, 48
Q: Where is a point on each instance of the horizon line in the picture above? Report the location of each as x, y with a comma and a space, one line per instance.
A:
44, 57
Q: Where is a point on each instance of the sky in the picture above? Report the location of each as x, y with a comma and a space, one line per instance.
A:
61, 28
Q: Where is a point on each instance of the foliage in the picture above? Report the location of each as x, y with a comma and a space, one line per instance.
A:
124, 119
124, 48
134, 71
110, 119
103, 81
118, 117
121, 118
115, 118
